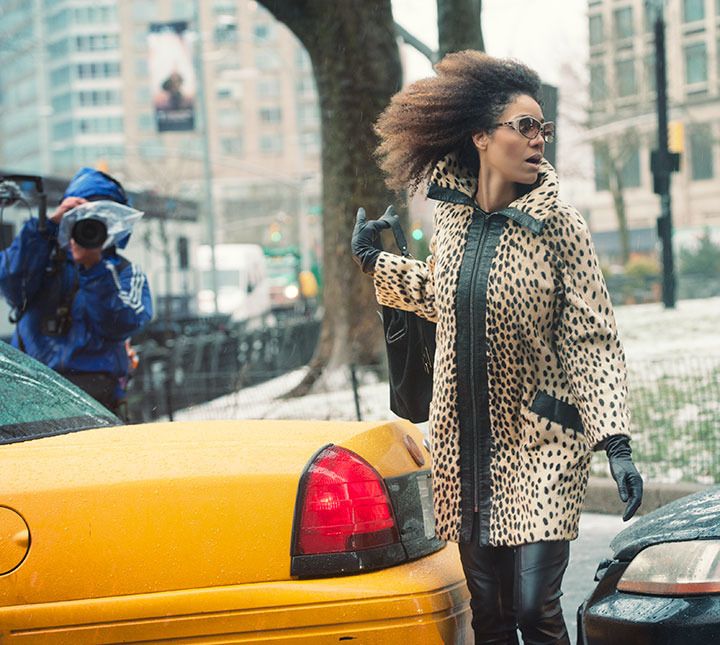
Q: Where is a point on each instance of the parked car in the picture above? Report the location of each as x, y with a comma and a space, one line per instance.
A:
662, 585
227, 531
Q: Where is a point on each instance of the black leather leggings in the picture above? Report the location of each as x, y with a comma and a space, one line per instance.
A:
517, 588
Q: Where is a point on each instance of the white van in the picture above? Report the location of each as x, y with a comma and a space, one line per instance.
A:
243, 286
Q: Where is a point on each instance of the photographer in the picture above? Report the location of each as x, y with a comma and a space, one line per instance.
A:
75, 299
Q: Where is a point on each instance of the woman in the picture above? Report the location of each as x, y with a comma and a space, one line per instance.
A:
529, 373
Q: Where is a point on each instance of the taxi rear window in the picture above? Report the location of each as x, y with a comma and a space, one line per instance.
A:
37, 402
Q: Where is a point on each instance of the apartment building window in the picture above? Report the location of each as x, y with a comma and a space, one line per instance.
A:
625, 77
695, 63
146, 122
310, 143
62, 130
267, 59
229, 119
98, 70
263, 33
623, 19
62, 103
271, 144
649, 16
602, 181
232, 146
93, 43
152, 149
596, 29
650, 72
59, 48
225, 31
701, 152
308, 113
271, 115
693, 10
598, 88
59, 21
60, 76
305, 85
100, 125
100, 97
630, 172
268, 88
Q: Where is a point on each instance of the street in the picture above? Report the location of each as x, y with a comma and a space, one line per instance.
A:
586, 552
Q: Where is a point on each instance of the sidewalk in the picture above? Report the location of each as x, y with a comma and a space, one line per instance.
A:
602, 495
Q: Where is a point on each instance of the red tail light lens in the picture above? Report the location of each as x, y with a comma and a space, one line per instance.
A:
345, 506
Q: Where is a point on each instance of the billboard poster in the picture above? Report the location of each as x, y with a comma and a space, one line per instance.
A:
172, 76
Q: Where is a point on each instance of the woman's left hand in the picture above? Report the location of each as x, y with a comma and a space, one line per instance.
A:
626, 476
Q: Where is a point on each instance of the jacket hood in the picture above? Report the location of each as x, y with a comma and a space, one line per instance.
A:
454, 183
95, 185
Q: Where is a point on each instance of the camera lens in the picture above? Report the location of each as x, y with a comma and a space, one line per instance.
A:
89, 233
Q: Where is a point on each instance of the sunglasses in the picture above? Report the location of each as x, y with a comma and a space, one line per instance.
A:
529, 127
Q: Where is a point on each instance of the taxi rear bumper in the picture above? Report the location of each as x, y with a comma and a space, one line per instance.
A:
421, 601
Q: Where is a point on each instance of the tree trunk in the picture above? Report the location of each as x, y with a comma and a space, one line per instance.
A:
459, 26
616, 190
357, 69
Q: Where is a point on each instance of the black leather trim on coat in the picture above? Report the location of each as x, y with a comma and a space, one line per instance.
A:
458, 197
449, 195
524, 219
548, 407
473, 391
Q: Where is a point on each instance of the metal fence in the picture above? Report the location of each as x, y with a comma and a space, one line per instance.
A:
675, 408
181, 370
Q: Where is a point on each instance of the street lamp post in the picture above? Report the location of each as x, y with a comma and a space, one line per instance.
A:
205, 140
663, 162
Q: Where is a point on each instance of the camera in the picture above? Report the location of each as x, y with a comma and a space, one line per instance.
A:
9, 193
89, 233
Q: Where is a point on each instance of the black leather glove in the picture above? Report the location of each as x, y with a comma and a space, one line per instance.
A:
365, 242
626, 476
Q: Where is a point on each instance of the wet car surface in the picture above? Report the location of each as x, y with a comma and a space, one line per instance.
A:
662, 584
208, 532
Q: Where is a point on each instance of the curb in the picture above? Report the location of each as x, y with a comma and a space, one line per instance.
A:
602, 495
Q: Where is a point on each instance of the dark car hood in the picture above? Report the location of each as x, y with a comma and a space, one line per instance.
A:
695, 517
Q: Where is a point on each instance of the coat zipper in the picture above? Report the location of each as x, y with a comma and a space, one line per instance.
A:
476, 432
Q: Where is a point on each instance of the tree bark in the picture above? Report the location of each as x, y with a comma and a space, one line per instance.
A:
459, 26
357, 69
618, 196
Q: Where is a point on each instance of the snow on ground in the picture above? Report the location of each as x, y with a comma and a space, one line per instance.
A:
649, 333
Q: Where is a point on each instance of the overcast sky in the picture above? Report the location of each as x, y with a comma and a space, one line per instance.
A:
542, 34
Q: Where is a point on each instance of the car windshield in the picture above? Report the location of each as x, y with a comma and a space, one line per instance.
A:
37, 402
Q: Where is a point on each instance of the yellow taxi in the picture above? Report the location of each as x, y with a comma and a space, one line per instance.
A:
214, 532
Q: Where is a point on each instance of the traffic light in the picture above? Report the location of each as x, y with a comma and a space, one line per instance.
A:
275, 233
417, 232
676, 136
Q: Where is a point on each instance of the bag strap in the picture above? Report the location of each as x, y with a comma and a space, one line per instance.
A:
400, 238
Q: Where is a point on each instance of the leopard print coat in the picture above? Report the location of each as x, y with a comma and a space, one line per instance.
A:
529, 374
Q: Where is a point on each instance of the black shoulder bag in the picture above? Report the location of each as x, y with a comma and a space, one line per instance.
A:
410, 344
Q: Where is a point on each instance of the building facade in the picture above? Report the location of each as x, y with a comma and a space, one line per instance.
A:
75, 90
623, 123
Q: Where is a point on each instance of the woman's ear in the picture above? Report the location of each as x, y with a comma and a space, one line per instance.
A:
480, 140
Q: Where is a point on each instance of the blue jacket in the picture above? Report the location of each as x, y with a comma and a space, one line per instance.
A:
108, 302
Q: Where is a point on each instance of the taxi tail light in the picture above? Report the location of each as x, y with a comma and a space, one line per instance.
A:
343, 506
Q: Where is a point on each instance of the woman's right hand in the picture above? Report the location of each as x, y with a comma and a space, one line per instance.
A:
365, 242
